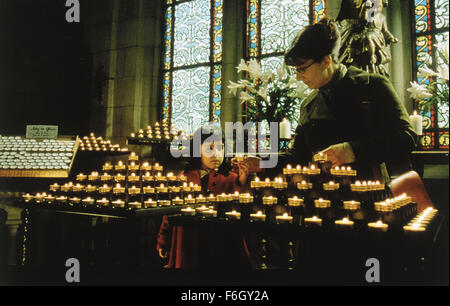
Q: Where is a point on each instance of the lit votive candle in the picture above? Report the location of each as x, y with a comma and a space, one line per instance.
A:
177, 201
255, 183
331, 186
76, 200
164, 203
90, 188
186, 187
66, 187
269, 200
320, 157
78, 187
61, 199
344, 223
118, 189
352, 205
245, 198
162, 189
27, 197
209, 213
146, 167
81, 177
133, 177
133, 156
118, 203
157, 167
211, 199
313, 221
171, 177
189, 200
87, 200
148, 190
295, 201
188, 211
233, 215
222, 197
134, 205
200, 199
147, 177
357, 186
134, 190
150, 203
415, 227
174, 189
288, 170
321, 203
378, 226
284, 219
133, 167
159, 177
313, 170
54, 187
50, 198
103, 202
105, 177
119, 178
259, 216
201, 209
107, 167
120, 166
304, 185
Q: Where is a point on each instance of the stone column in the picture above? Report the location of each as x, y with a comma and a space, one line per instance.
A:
398, 14
130, 49
233, 51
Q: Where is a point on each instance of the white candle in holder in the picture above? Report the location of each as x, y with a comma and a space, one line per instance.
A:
285, 129
416, 122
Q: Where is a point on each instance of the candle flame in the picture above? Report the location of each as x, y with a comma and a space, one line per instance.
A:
285, 215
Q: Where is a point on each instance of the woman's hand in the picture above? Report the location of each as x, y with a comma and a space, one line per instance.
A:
163, 253
339, 154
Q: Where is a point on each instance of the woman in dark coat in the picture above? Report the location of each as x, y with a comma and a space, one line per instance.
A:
355, 117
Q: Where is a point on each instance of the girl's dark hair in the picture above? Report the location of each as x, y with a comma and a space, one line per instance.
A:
195, 163
314, 42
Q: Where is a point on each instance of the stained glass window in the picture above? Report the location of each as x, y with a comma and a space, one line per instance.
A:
430, 48
273, 24
192, 62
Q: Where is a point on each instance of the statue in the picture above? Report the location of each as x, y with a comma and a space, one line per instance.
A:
365, 36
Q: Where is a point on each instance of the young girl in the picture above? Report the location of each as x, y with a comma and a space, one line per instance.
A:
181, 244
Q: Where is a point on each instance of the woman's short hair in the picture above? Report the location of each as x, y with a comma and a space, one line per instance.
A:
314, 42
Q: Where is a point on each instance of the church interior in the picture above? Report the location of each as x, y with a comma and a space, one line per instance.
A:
99, 98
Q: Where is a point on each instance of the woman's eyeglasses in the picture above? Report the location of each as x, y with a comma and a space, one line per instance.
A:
303, 69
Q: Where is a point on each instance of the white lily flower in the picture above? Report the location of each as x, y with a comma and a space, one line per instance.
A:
425, 72
263, 92
418, 92
245, 96
292, 81
300, 89
443, 47
267, 77
443, 73
254, 68
242, 66
233, 87
281, 71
